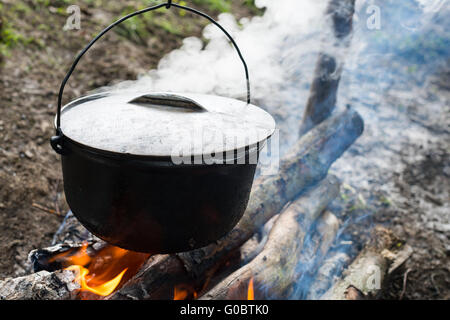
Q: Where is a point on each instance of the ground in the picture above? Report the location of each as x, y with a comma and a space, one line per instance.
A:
421, 215
411, 192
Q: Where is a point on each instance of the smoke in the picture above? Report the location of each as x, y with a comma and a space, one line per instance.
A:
217, 69
280, 49
396, 45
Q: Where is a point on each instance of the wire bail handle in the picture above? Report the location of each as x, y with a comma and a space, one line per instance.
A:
168, 5
57, 140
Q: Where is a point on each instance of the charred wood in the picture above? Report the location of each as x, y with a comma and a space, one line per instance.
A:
327, 74
43, 285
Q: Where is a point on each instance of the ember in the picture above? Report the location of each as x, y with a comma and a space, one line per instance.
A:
184, 292
179, 294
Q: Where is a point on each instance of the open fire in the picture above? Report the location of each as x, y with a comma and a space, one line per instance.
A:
102, 272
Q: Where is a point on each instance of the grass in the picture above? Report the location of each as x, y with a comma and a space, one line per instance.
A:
9, 38
139, 28
215, 5
10, 35
22, 18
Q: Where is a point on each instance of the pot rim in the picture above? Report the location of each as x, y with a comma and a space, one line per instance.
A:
164, 160
249, 149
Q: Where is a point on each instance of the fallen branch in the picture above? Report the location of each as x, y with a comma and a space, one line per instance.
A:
327, 74
365, 276
306, 164
47, 210
274, 270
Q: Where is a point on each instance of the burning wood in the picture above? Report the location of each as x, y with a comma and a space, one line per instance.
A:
99, 268
250, 249
275, 267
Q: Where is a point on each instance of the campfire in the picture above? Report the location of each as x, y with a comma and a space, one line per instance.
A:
284, 246
286, 225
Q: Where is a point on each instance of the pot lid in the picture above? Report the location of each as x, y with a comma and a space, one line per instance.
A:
165, 124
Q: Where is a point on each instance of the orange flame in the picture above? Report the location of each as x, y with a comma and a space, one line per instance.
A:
104, 289
179, 294
250, 291
184, 292
101, 272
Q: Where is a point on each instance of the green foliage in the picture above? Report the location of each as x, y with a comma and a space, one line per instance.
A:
9, 38
135, 29
21, 18
215, 5
169, 26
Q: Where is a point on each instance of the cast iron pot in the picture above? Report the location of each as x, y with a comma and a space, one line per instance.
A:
143, 201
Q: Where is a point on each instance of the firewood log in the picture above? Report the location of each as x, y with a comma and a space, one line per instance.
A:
328, 274
365, 276
70, 237
315, 248
250, 249
306, 164
274, 270
43, 285
327, 74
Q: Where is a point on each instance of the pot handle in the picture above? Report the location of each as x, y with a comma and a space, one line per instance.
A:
57, 140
